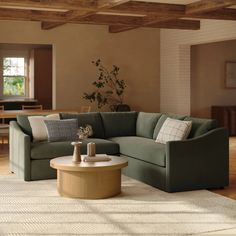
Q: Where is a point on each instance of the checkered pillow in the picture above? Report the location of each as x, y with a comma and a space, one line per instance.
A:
62, 130
173, 129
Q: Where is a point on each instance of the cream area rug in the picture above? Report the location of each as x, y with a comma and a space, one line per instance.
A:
35, 208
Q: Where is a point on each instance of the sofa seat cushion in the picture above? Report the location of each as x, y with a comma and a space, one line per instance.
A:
102, 146
49, 150
143, 149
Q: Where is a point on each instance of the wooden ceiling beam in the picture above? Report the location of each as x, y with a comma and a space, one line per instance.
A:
204, 6
131, 7
119, 28
175, 24
107, 4
222, 14
115, 6
84, 11
52, 4
149, 8
178, 24
68, 17
55, 17
205, 9
31, 15
110, 20
157, 13
102, 5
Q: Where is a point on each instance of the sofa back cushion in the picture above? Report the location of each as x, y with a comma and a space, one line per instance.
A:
24, 123
119, 123
161, 121
200, 126
146, 123
39, 129
91, 118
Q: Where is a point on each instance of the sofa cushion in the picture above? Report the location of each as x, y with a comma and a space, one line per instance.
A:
143, 149
103, 146
62, 130
173, 130
161, 121
46, 150
39, 129
24, 124
119, 123
200, 126
91, 118
146, 123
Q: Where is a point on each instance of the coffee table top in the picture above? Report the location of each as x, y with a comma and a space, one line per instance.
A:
65, 163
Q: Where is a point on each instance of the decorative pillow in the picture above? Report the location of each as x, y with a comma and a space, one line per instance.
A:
62, 130
173, 129
38, 126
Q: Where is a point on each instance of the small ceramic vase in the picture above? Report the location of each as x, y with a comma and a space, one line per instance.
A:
76, 155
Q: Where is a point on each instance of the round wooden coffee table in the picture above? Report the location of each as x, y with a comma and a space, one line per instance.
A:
88, 180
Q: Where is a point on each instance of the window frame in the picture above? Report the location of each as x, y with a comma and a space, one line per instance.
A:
15, 53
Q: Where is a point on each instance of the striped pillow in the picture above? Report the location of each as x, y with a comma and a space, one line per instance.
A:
173, 130
62, 130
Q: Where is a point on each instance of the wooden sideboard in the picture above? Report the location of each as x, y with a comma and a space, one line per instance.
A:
226, 117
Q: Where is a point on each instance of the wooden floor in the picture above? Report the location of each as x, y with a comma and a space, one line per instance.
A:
228, 191
4, 159
231, 190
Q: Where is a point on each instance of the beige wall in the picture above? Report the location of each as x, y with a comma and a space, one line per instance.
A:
75, 46
207, 77
175, 61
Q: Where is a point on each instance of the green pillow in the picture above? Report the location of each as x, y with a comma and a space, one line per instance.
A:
146, 123
118, 124
200, 126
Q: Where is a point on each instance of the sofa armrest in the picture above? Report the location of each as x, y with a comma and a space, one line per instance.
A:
201, 162
19, 151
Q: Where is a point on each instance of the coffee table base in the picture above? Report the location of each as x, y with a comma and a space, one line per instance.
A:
89, 185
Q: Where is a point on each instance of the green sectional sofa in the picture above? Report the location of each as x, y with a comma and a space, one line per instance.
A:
201, 161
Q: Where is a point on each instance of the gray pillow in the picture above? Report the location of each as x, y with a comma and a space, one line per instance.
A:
62, 130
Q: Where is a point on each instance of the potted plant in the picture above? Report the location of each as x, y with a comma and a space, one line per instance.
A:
109, 89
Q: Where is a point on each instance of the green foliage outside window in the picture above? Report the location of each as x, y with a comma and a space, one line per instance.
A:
13, 86
13, 76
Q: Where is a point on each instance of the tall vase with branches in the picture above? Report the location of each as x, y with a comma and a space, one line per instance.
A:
109, 89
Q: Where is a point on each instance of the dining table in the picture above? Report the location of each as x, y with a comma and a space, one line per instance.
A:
11, 114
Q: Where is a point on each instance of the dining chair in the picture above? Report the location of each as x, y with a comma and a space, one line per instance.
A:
32, 107
85, 109
4, 129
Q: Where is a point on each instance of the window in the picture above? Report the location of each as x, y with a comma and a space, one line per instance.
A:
14, 76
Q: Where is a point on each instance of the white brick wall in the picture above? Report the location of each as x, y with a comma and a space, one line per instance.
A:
175, 61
